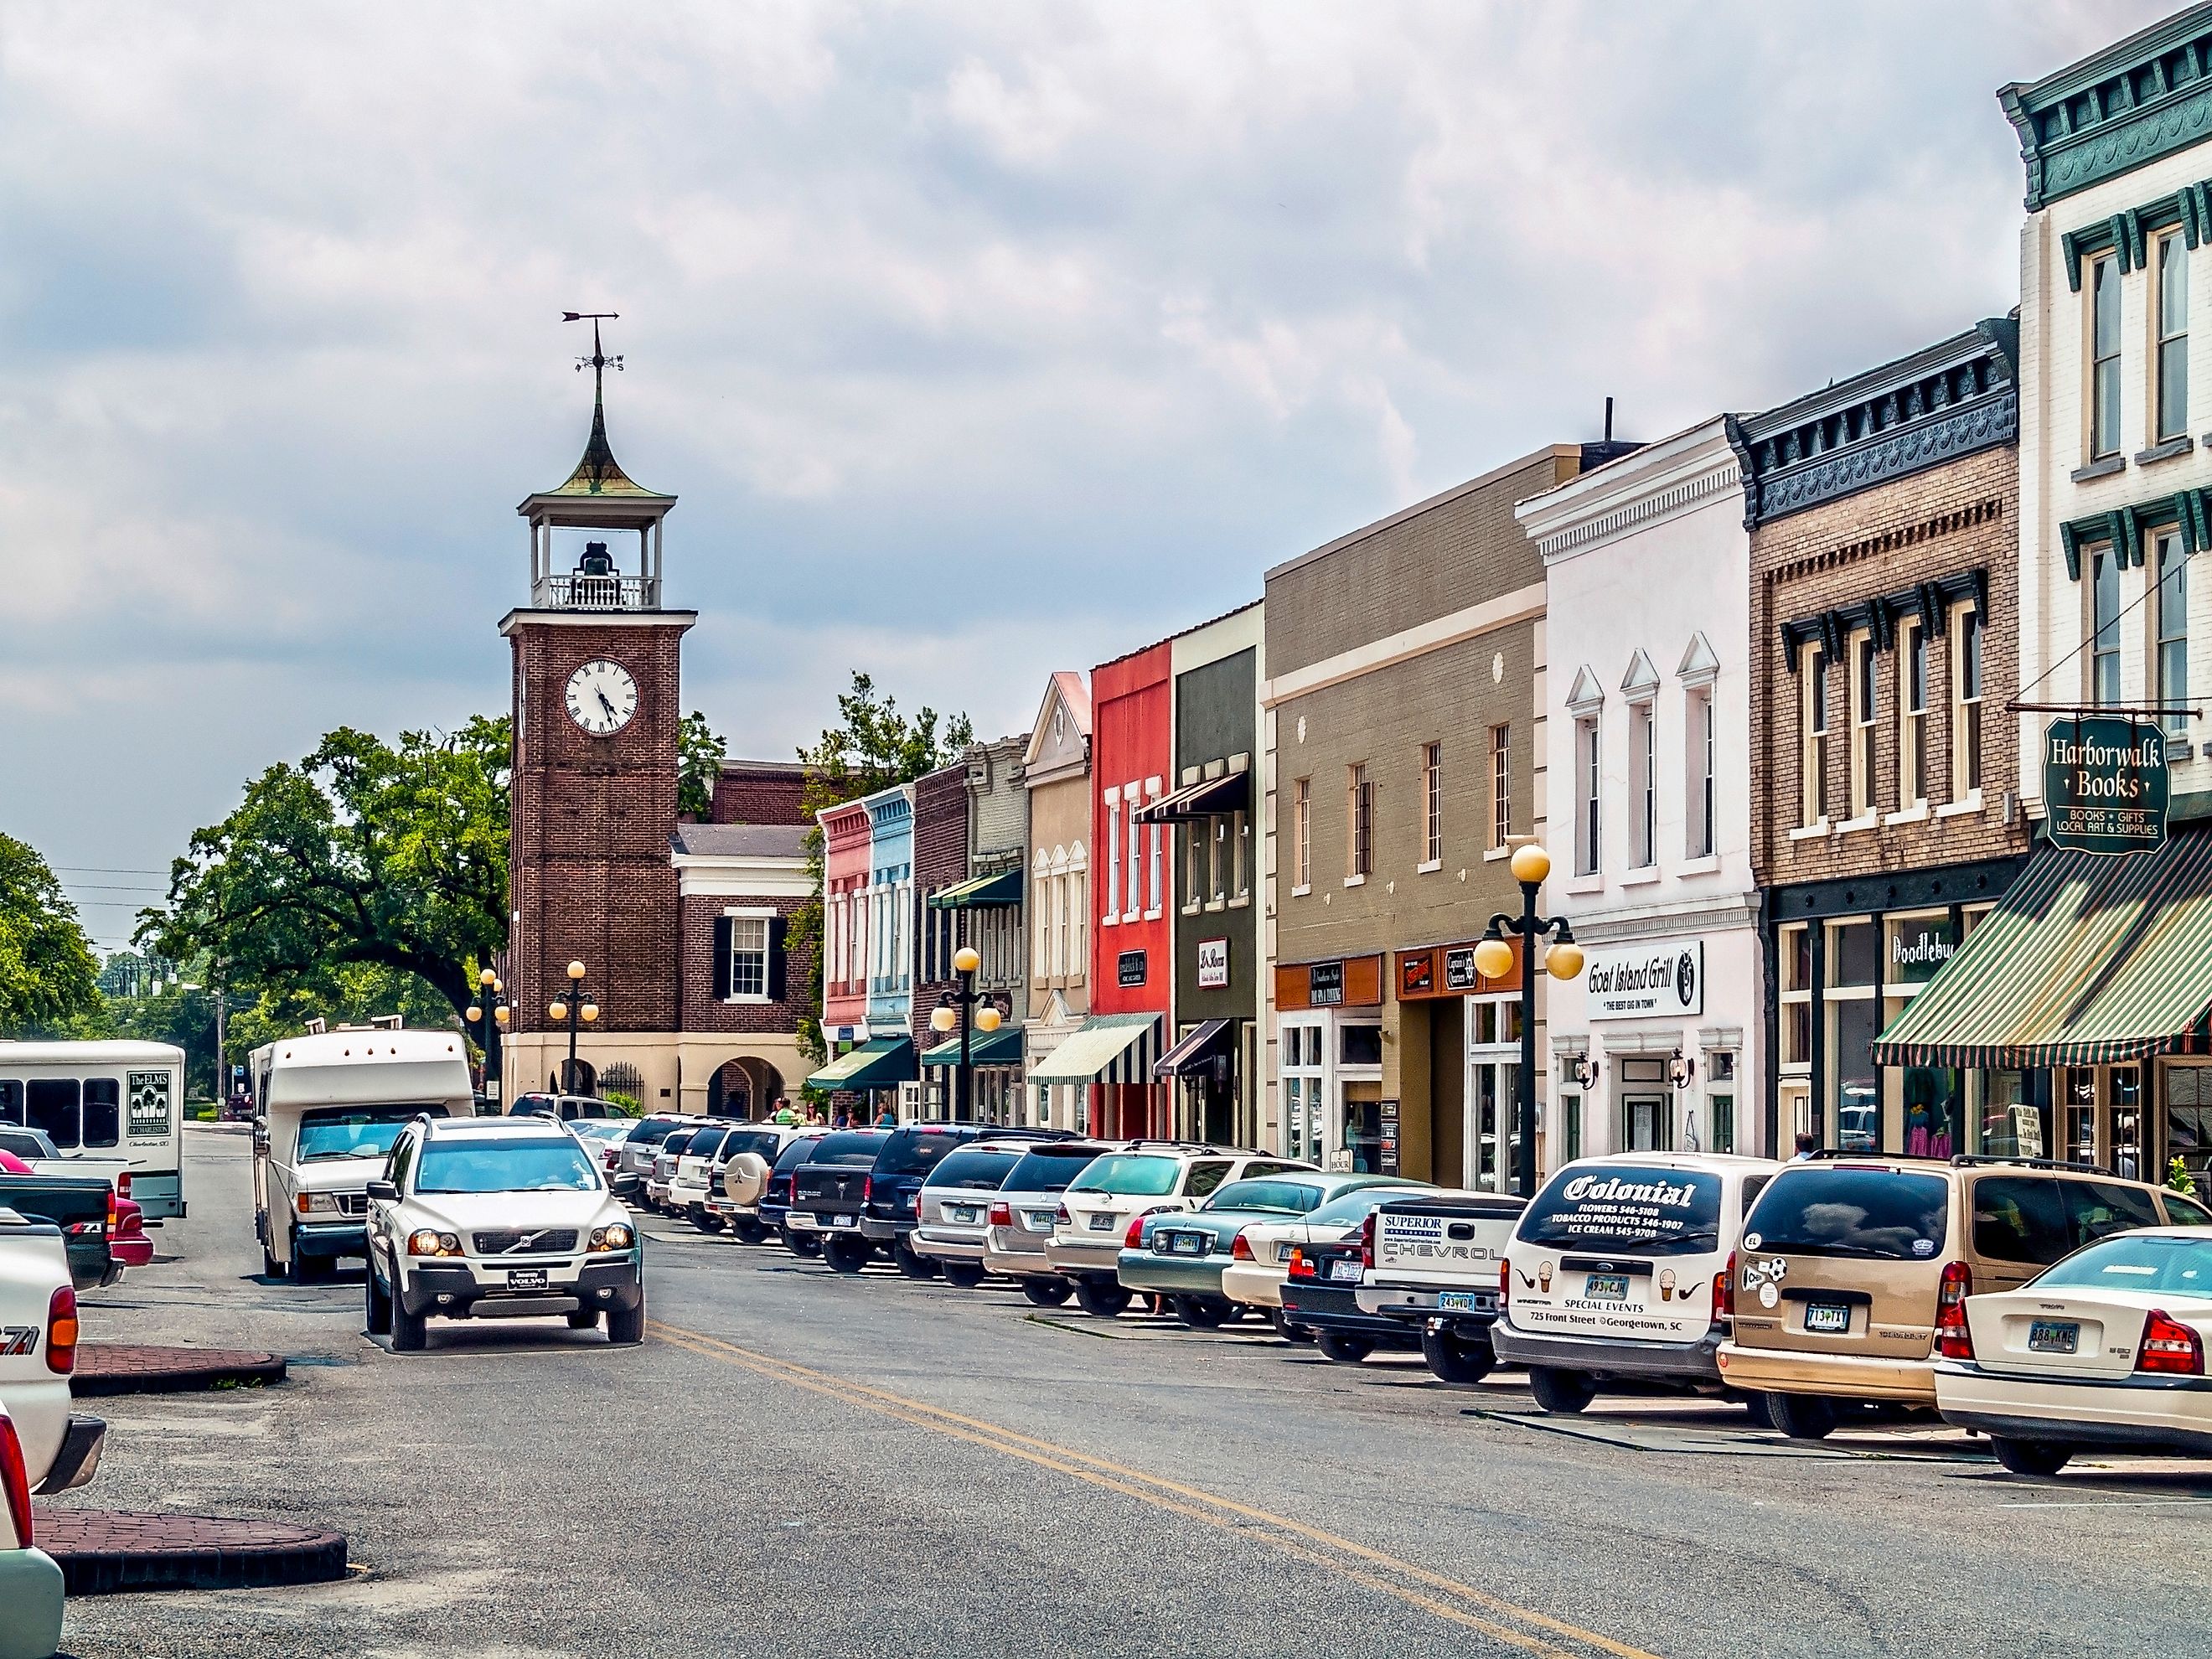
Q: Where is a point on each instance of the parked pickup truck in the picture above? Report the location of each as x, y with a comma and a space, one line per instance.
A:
81, 1207
1433, 1262
38, 1352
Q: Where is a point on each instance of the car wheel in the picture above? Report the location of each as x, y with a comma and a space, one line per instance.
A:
410, 1333
2031, 1456
846, 1255
804, 1246
1200, 1312
378, 1316
1455, 1359
1101, 1300
270, 1267
626, 1326
965, 1274
1344, 1347
746, 1230
1046, 1292
704, 1219
1564, 1392
296, 1270
1289, 1331
584, 1319
1802, 1416
913, 1263
1756, 1406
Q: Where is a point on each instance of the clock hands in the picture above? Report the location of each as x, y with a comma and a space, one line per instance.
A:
603, 701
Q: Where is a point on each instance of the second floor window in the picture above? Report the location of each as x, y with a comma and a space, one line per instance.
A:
1358, 822
1865, 696
1911, 716
1699, 844
1643, 786
2172, 623
2172, 337
1302, 832
1114, 856
1965, 704
1432, 803
2105, 359
1812, 741
1501, 785
1586, 849
2105, 626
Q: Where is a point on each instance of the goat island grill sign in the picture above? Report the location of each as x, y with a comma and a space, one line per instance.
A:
2105, 784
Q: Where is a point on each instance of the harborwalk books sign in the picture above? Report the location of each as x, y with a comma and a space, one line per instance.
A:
2104, 783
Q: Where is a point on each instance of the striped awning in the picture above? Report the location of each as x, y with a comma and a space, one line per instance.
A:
2088, 960
1109, 1049
1001, 887
879, 1063
1000, 1048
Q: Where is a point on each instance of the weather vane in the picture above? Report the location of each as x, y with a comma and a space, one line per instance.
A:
598, 362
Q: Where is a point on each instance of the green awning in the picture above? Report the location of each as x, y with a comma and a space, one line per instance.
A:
1102, 1042
2089, 960
1004, 888
878, 1063
1000, 1048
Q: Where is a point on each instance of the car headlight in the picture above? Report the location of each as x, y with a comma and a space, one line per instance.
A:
310, 1202
614, 1237
427, 1241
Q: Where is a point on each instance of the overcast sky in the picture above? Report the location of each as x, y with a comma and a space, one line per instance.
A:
978, 340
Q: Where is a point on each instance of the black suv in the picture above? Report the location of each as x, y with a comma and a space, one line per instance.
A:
892, 1209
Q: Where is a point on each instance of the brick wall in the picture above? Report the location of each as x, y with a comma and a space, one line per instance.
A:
1943, 522
759, 792
702, 1011
940, 860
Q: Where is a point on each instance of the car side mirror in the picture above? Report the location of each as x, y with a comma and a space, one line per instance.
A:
383, 1192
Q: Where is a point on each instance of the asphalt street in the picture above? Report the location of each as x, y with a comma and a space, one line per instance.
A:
799, 1464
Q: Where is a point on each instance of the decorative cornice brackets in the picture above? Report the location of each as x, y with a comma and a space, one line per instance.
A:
1930, 601
2141, 98
2129, 232
2123, 528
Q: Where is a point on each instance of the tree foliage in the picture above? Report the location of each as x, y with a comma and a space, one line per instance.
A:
872, 746
699, 753
363, 854
47, 970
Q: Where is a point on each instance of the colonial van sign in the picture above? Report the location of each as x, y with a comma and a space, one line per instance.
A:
1659, 980
2105, 784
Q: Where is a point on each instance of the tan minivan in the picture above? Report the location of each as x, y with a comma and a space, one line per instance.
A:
1850, 1264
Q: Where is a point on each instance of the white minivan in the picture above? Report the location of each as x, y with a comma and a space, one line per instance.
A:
1616, 1271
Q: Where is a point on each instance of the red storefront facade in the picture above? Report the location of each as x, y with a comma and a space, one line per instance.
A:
1132, 970
847, 843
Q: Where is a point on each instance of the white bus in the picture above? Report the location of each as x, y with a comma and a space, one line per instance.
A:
104, 1100
327, 1105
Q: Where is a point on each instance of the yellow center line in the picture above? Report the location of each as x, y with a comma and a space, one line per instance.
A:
1279, 1532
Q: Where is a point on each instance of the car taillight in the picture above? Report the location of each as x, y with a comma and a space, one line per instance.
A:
1367, 1240
1725, 1290
61, 1331
1240, 1249
2170, 1346
1061, 1216
1505, 1285
112, 1212
1953, 1340
613, 1157
1130, 1240
122, 1184
1002, 1215
1303, 1265
867, 1188
15, 1480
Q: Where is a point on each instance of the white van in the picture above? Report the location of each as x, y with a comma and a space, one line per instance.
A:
105, 1101
327, 1106
1615, 1270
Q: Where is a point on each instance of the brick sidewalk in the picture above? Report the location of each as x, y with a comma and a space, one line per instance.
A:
105, 1551
107, 1368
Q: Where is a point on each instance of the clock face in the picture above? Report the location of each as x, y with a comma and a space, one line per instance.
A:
602, 698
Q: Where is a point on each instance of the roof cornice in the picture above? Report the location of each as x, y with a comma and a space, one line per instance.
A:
2116, 110
1660, 481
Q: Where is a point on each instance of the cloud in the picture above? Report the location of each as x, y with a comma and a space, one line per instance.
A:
977, 342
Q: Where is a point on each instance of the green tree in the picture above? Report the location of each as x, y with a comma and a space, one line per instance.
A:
698, 766
363, 854
871, 747
47, 971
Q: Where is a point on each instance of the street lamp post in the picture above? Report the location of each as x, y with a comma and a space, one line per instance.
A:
491, 996
1563, 959
568, 1011
972, 1010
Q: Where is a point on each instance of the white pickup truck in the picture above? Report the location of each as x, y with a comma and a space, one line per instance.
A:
1433, 1263
38, 1352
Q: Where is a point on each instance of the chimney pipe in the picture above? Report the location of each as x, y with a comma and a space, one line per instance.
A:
1608, 420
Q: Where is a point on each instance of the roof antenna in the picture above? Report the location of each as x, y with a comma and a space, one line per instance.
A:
1608, 420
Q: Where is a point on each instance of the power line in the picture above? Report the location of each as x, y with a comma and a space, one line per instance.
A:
106, 870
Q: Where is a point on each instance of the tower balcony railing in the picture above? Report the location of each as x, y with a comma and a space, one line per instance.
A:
581, 593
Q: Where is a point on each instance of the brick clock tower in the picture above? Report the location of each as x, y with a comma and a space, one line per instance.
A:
596, 666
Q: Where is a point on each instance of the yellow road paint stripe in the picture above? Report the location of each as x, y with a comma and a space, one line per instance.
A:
1277, 1531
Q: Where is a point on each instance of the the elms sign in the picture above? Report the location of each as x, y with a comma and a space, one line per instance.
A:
1658, 979
2105, 784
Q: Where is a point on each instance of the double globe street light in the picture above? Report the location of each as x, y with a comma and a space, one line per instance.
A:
971, 1011
491, 993
569, 1011
1562, 960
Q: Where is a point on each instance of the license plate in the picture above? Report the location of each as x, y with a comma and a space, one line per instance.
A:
966, 1218
2053, 1336
526, 1279
1100, 1223
1344, 1270
1831, 1318
1040, 1221
1462, 1302
1187, 1243
842, 1221
1606, 1287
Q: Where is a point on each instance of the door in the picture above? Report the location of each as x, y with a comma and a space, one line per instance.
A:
1647, 1123
1362, 1142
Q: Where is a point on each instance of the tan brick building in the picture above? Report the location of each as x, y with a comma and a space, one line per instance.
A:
1884, 569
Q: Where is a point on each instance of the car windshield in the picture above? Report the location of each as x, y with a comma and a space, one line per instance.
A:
2134, 1262
1134, 1175
1049, 1168
1283, 1197
505, 1166
1347, 1209
799, 1152
763, 1142
1886, 1215
674, 1143
974, 1171
916, 1152
652, 1131
352, 1131
849, 1146
1625, 1207
706, 1143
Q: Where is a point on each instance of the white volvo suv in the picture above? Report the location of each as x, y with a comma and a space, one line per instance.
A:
498, 1218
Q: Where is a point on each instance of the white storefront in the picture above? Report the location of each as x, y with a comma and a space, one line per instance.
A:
1644, 793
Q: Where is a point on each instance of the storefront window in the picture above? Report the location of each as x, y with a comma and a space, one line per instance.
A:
1305, 1116
1360, 1045
1919, 945
2127, 1122
2189, 1116
1932, 1125
1492, 1020
1647, 1106
1720, 1101
2080, 1086
1854, 953
2012, 1124
1797, 954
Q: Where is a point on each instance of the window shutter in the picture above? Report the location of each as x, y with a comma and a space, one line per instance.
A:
777, 929
722, 926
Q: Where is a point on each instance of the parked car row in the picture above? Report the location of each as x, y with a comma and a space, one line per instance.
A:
2051, 1306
